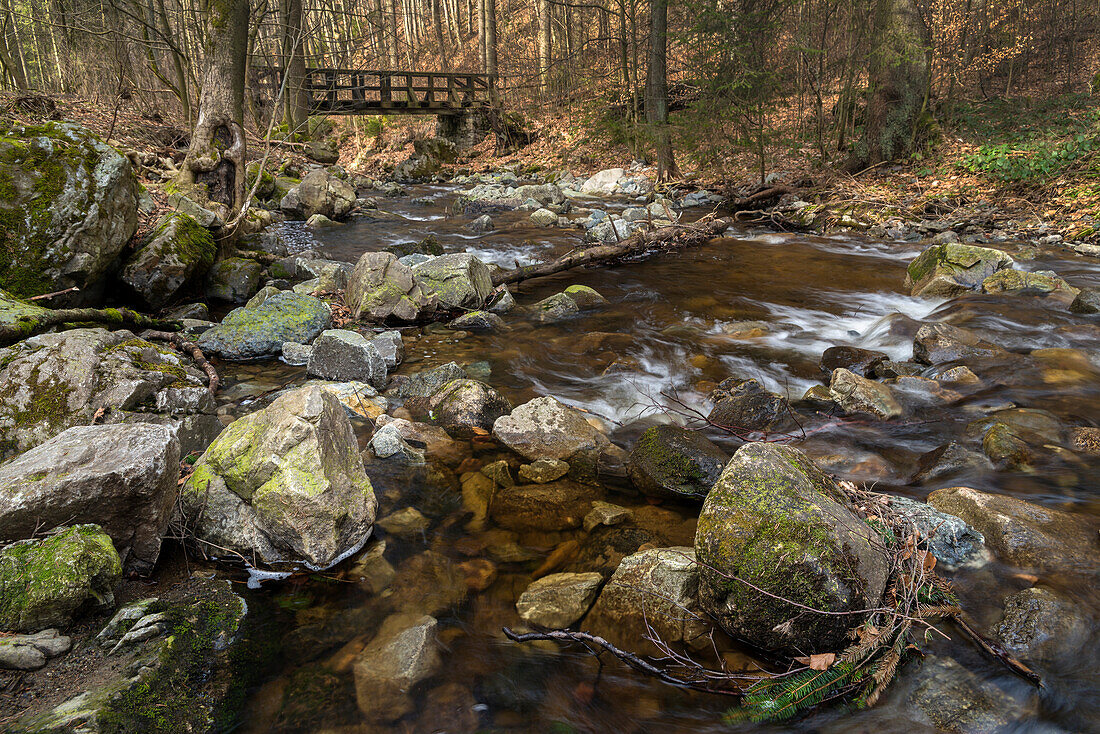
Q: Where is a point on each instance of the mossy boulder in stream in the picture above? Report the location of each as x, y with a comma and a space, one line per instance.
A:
951, 269
773, 523
381, 288
456, 281
175, 253
465, 407
283, 484
252, 333
46, 582
68, 206
670, 461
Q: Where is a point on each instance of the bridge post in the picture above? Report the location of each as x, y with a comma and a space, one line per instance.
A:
386, 91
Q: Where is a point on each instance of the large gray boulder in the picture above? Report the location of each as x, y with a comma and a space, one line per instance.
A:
670, 461
252, 333
283, 484
52, 382
950, 269
773, 523
47, 581
455, 281
404, 653
339, 354
120, 477
544, 428
176, 253
319, 193
382, 288
69, 208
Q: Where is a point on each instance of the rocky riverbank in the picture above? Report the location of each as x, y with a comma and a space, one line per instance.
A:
430, 493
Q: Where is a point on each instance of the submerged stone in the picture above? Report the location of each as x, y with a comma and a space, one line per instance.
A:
559, 600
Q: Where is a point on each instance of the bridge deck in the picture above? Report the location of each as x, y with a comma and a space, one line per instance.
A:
370, 92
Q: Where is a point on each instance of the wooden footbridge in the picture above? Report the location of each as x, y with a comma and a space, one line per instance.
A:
367, 92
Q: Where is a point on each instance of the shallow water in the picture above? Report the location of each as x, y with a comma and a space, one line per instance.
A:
667, 334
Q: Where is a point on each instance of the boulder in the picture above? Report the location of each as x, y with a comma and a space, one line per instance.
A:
1086, 302
950, 269
425, 383
1023, 533
773, 520
543, 218
745, 405
48, 581
69, 208
949, 538
234, 279
1039, 625
585, 297
283, 484
669, 461
437, 445
559, 505
30, 652
382, 288
392, 348
955, 700
603, 183
937, 343
173, 255
52, 382
950, 460
120, 477
559, 600
605, 513
455, 281
656, 588
482, 224
339, 354
478, 321
860, 361
427, 246
402, 654
388, 443
1009, 280
859, 395
319, 193
253, 333
558, 307
464, 407
544, 428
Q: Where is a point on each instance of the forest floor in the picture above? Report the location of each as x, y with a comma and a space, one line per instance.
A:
1029, 165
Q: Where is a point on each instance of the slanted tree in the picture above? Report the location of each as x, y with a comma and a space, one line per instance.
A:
656, 90
216, 157
898, 84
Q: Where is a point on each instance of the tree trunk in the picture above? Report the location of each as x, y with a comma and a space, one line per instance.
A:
217, 154
491, 37
898, 77
295, 100
656, 90
437, 30
543, 9
390, 32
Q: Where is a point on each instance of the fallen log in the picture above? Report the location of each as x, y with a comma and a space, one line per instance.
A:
671, 237
26, 326
190, 349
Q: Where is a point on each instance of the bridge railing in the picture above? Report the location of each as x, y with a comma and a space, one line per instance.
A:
350, 91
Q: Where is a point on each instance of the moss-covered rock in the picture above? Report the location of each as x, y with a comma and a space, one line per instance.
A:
234, 279
283, 484
455, 281
1009, 280
463, 407
251, 333
68, 206
175, 254
46, 582
951, 269
12, 309
673, 461
381, 288
773, 523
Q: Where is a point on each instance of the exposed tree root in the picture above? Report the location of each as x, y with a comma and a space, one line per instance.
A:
192, 350
27, 326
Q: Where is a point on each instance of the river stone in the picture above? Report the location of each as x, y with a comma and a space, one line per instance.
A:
479, 321
655, 588
951, 269
502, 301
603, 183
670, 461
559, 505
405, 523
543, 218
857, 394
402, 654
949, 538
482, 224
949, 460
382, 288
283, 484
391, 347
262, 295
937, 343
1009, 280
47, 581
544, 428
1040, 625
558, 307
773, 520
69, 209
1087, 301
121, 477
605, 513
438, 445
425, 383
584, 296
860, 361
542, 471
253, 333
745, 405
387, 443
953, 699
456, 281
30, 652
172, 256
465, 407
319, 193
342, 355
1026, 534
296, 354
559, 600
52, 382
234, 279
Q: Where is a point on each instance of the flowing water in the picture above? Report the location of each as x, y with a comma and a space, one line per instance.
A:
669, 334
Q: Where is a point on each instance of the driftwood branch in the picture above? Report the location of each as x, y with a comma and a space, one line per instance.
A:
27, 326
192, 350
995, 651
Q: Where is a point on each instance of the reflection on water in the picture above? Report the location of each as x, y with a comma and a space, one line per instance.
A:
676, 325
